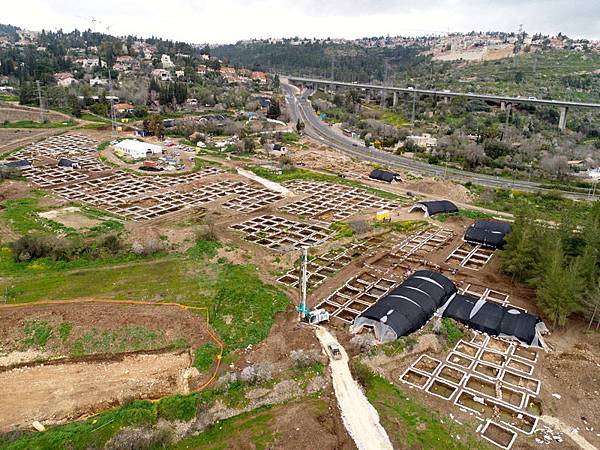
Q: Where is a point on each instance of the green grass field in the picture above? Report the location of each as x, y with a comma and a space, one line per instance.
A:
33, 124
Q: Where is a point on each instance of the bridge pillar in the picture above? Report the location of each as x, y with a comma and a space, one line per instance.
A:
562, 122
395, 99
383, 97
446, 100
502, 106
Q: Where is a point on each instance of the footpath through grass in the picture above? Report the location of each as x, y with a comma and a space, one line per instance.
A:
309, 175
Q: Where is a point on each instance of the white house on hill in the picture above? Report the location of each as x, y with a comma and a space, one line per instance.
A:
138, 149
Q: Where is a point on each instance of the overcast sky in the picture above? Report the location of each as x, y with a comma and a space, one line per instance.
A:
224, 21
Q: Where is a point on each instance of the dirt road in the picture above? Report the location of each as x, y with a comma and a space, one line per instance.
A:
359, 416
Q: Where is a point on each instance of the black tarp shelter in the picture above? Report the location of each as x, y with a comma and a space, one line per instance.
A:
493, 319
410, 306
433, 207
384, 175
488, 233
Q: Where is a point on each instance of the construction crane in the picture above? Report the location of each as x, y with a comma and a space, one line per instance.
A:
317, 315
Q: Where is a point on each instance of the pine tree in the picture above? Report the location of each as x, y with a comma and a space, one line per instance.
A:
559, 292
274, 110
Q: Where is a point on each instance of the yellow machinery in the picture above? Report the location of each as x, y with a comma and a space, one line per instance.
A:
383, 216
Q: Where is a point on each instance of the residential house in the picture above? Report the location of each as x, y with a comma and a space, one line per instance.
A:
122, 109
425, 141
98, 82
162, 74
64, 79
261, 77
166, 62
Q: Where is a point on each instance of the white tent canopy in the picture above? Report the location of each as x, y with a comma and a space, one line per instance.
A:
138, 149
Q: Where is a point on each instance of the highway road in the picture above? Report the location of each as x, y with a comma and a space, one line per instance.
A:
301, 108
411, 90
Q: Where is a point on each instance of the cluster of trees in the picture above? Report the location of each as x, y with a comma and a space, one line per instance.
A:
560, 260
169, 93
350, 62
52, 97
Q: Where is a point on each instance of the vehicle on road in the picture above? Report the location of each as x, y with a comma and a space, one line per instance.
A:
334, 351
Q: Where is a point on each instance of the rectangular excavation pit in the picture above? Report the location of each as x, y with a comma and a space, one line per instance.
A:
480, 340
519, 420
416, 379
473, 403
498, 435
357, 306
337, 298
367, 278
498, 346
528, 384
497, 359
533, 405
426, 364
375, 292
451, 374
467, 349
493, 390
330, 308
460, 360
348, 291
487, 370
346, 315
526, 353
519, 366
385, 284
442, 389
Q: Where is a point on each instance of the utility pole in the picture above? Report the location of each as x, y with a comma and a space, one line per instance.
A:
39, 89
302, 309
332, 67
112, 106
414, 109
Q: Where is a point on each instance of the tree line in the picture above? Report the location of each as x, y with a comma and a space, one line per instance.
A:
561, 261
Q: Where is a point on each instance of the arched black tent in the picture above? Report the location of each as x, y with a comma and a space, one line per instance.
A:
493, 319
408, 307
384, 175
435, 207
488, 233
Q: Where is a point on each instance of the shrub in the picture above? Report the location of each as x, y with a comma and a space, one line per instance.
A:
32, 246
359, 227
204, 357
111, 243
178, 407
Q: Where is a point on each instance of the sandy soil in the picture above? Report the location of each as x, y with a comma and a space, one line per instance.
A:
54, 393
70, 217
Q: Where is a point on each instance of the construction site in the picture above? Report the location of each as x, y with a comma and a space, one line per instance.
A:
346, 252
